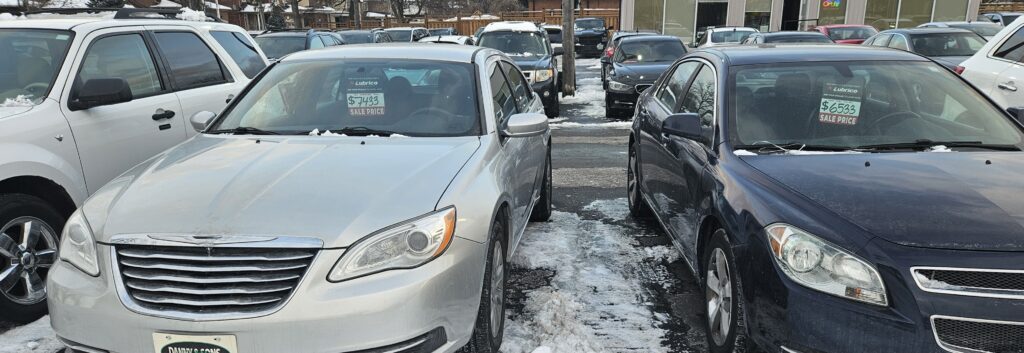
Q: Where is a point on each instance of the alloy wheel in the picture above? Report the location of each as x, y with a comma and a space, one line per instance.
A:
718, 294
497, 290
28, 248
631, 182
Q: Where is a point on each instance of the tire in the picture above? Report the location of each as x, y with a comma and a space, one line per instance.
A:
638, 208
727, 327
542, 210
553, 110
18, 302
488, 333
609, 113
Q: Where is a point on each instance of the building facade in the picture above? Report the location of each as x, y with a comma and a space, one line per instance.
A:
684, 18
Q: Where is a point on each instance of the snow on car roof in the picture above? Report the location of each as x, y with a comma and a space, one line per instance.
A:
515, 26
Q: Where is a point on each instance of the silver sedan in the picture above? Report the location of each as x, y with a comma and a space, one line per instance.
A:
351, 199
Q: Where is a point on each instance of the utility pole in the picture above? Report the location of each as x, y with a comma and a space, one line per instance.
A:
569, 46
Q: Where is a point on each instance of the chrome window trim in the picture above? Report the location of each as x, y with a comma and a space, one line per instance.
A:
982, 292
958, 349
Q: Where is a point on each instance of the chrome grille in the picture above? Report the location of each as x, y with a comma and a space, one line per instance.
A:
973, 335
591, 40
197, 282
1008, 284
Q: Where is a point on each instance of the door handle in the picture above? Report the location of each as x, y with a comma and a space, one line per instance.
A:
162, 114
1008, 86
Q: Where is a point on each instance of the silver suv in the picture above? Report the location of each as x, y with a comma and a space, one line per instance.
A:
360, 198
82, 99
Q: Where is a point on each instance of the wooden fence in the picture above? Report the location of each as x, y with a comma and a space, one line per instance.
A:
1002, 7
469, 24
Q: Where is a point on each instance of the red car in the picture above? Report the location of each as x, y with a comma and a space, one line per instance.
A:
847, 34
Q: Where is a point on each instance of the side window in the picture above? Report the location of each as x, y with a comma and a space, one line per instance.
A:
519, 86
1013, 48
700, 98
899, 42
504, 103
241, 50
122, 56
869, 40
316, 43
675, 86
193, 64
882, 40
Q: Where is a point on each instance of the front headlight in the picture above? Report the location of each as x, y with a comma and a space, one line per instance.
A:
619, 86
543, 75
816, 264
402, 246
77, 245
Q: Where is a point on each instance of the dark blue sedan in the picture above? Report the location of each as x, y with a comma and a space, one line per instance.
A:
837, 199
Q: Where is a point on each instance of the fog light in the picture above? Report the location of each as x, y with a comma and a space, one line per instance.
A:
547, 94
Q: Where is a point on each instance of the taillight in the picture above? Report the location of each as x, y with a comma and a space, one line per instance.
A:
959, 70
608, 52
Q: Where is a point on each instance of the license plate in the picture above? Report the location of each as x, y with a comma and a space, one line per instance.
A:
170, 343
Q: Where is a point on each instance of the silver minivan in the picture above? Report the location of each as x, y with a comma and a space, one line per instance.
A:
363, 198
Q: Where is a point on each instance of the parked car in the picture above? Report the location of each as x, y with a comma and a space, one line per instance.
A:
984, 29
998, 67
1002, 18
407, 34
554, 35
529, 46
462, 40
591, 35
450, 31
638, 61
712, 37
790, 37
279, 43
606, 57
947, 46
819, 216
847, 34
401, 188
84, 98
365, 36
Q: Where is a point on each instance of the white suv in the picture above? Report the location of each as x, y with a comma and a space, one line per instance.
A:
83, 98
998, 68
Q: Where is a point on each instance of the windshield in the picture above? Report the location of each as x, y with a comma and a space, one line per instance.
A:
590, 24
649, 51
986, 30
29, 61
525, 44
797, 39
441, 32
730, 36
277, 47
356, 37
407, 97
1007, 19
947, 44
400, 35
851, 104
554, 35
848, 33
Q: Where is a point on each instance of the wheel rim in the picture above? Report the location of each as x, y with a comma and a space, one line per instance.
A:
719, 297
631, 184
547, 186
28, 248
497, 290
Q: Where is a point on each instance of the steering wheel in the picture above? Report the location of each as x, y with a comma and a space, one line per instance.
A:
433, 114
37, 89
892, 119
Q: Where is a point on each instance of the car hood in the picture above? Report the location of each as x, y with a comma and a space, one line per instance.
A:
935, 200
641, 73
337, 189
14, 110
532, 62
950, 61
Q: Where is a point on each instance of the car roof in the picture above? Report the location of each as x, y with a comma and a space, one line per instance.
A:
793, 34
448, 38
589, 18
88, 23
514, 26
419, 51
402, 28
730, 28
927, 30
653, 38
286, 34
787, 53
843, 26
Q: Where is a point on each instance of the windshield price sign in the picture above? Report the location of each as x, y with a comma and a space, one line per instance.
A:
840, 104
365, 97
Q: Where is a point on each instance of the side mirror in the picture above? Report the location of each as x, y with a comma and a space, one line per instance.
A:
101, 91
525, 125
685, 125
201, 120
558, 51
1017, 113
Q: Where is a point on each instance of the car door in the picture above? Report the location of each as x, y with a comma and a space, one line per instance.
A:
198, 74
113, 138
512, 149
652, 113
1008, 85
531, 151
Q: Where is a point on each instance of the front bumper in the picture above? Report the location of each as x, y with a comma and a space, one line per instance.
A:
787, 317
587, 48
376, 311
621, 100
546, 90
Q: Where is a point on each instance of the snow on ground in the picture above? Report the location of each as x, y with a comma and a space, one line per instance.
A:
31, 338
596, 301
610, 124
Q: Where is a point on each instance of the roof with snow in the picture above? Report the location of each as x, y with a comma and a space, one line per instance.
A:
420, 51
515, 26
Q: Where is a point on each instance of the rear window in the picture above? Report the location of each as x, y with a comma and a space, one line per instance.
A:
277, 47
242, 51
986, 30
193, 64
798, 39
590, 24
401, 35
947, 44
730, 36
851, 33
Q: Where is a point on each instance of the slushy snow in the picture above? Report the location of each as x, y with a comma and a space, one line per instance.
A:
34, 337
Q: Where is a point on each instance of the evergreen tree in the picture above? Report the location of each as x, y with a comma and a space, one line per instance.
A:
106, 4
276, 19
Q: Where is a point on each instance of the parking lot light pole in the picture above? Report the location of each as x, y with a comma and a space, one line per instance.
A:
569, 48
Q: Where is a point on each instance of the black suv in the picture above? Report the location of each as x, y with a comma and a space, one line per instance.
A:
278, 43
365, 36
529, 46
591, 36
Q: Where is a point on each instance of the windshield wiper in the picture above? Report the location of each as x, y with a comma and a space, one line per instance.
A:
925, 144
243, 130
768, 147
362, 131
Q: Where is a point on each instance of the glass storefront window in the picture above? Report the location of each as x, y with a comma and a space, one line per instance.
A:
881, 14
648, 15
832, 12
915, 12
950, 10
679, 18
758, 14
